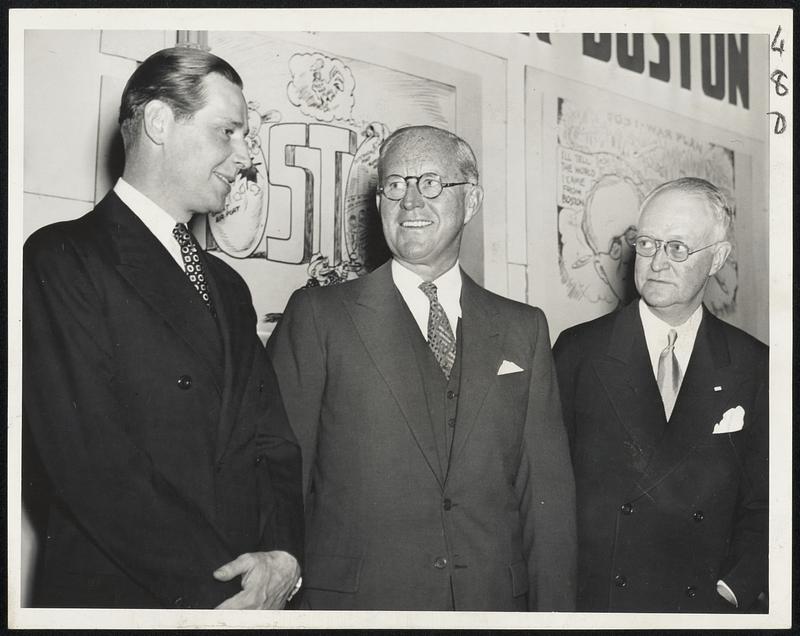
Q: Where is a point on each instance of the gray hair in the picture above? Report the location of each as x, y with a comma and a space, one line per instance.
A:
460, 149
702, 188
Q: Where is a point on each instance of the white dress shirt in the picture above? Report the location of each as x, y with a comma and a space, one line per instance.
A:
159, 222
655, 333
448, 291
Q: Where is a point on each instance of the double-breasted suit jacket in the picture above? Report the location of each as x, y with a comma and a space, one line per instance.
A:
666, 509
393, 524
160, 428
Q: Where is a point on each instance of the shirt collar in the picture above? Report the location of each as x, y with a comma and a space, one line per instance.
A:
656, 331
654, 324
157, 220
448, 285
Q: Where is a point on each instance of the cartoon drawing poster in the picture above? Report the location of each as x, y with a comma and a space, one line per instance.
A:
592, 156
607, 162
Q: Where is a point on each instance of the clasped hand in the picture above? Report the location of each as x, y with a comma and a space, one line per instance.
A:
268, 579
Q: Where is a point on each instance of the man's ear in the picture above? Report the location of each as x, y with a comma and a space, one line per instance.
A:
157, 119
721, 252
472, 202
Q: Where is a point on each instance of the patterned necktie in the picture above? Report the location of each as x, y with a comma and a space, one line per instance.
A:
669, 374
192, 263
440, 335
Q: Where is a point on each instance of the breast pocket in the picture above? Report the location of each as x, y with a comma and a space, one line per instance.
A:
513, 388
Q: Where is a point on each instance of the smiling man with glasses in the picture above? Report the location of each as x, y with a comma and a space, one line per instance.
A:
666, 409
437, 473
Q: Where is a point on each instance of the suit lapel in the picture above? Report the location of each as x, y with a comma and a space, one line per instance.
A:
384, 325
155, 276
627, 377
481, 353
699, 405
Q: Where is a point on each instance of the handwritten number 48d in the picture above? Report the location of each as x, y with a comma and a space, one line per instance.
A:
777, 77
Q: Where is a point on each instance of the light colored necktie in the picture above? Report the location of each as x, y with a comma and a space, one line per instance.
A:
440, 335
669, 374
192, 263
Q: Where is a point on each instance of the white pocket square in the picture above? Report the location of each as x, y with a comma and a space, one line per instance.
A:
732, 421
509, 367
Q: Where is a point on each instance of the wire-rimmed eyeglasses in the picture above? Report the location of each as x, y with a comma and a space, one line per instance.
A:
429, 185
675, 250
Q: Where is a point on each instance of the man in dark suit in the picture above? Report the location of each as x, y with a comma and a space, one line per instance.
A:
436, 466
666, 409
147, 394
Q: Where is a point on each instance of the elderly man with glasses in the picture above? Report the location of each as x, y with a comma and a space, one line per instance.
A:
436, 464
666, 410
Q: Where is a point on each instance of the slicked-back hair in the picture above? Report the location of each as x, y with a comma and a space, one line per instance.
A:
460, 149
704, 189
174, 76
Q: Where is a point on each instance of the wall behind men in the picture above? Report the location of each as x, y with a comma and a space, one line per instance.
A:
595, 121
540, 110
547, 235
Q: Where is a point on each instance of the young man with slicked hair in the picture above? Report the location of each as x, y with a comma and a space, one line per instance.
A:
174, 478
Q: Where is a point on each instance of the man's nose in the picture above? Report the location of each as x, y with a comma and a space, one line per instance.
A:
412, 198
660, 259
241, 154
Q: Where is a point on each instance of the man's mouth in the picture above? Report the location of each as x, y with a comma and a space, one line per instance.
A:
418, 224
226, 180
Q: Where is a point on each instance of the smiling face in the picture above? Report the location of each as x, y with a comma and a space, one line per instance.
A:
425, 234
674, 290
203, 154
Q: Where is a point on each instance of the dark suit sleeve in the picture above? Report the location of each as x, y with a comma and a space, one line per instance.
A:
298, 356
546, 487
105, 481
278, 454
746, 570
565, 370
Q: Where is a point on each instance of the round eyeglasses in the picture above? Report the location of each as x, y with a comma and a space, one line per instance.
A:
429, 185
675, 250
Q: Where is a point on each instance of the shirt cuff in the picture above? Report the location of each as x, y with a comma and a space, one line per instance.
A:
296, 589
727, 593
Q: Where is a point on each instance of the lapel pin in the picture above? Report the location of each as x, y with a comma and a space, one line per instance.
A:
718, 388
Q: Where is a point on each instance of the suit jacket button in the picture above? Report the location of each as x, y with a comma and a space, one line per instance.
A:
620, 581
451, 395
185, 381
626, 508
691, 591
447, 504
440, 563
698, 516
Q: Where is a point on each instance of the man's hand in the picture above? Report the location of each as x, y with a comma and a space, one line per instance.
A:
268, 579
